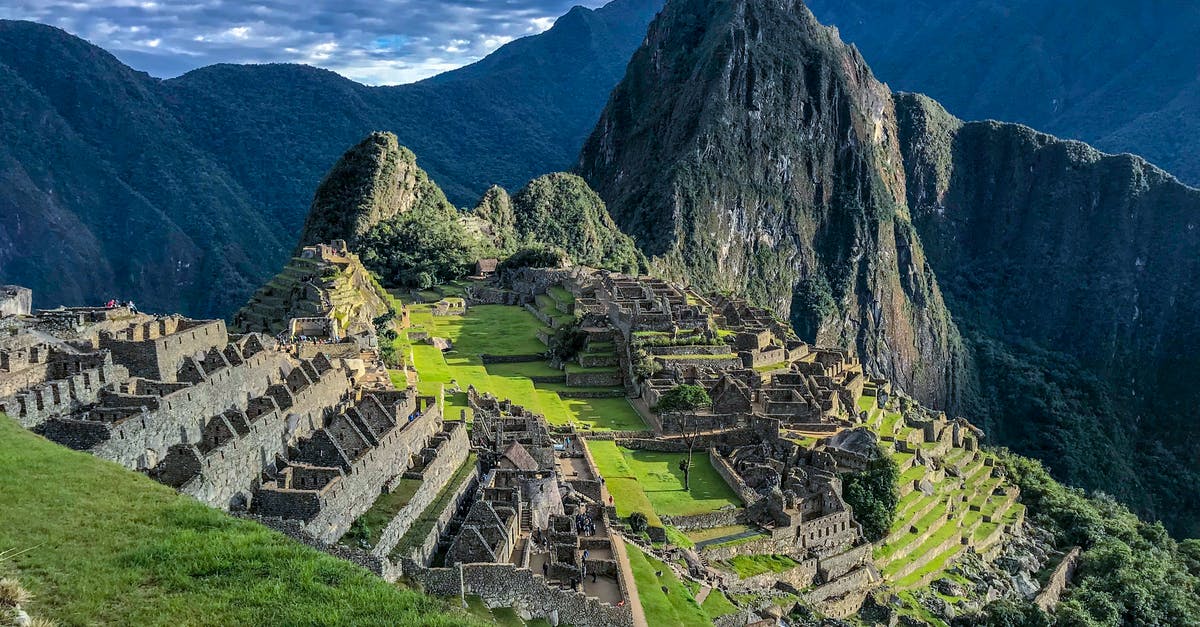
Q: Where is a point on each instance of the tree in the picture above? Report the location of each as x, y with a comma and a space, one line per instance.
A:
685, 400
873, 496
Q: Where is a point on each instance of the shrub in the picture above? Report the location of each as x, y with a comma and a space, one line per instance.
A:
638, 523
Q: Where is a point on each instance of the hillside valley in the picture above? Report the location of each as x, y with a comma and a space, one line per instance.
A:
186, 194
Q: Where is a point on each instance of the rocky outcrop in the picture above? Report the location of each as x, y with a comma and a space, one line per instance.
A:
749, 149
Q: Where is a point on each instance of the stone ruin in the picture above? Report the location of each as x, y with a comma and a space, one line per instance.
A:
535, 536
305, 444
15, 301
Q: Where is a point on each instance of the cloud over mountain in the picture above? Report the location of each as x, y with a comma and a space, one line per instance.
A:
371, 41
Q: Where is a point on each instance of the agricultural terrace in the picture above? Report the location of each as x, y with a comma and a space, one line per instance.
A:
98, 544
510, 332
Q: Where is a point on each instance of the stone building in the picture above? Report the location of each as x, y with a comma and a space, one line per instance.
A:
15, 301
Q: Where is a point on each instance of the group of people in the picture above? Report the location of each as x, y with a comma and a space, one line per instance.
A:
584, 525
114, 303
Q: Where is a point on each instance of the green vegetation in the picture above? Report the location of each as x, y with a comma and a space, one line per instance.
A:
700, 535
367, 528
535, 256
1131, 572
652, 482
683, 398
751, 565
561, 210
675, 605
103, 545
873, 496
504, 331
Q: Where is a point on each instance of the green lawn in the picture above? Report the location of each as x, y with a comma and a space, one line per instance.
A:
109, 546
638, 478
677, 606
751, 565
700, 535
501, 330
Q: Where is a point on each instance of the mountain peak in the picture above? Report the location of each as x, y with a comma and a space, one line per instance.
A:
749, 149
373, 182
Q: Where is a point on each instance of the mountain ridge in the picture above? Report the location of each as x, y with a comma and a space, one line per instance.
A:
228, 156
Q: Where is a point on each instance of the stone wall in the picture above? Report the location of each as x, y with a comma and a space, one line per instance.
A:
140, 441
349, 497
732, 478
711, 362
800, 577
15, 301
594, 379
33, 407
708, 520
527, 593
422, 553
721, 349
1048, 598
230, 473
450, 458
156, 350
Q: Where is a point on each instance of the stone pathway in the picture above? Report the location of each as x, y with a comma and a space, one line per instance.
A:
702, 594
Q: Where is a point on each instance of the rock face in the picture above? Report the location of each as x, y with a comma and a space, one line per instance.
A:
1058, 258
749, 149
373, 182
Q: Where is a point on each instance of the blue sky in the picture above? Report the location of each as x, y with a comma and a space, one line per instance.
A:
376, 42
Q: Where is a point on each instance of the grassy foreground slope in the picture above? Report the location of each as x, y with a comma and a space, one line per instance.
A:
108, 546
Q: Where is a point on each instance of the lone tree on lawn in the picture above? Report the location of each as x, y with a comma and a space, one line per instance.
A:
685, 400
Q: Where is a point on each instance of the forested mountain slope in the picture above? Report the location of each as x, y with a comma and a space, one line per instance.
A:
749, 149
185, 194
1122, 76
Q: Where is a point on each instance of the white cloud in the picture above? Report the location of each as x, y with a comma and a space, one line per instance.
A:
373, 41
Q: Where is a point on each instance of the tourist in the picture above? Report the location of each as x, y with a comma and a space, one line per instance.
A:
546, 569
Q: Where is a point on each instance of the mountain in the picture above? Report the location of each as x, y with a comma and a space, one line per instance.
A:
1119, 75
389, 211
374, 182
186, 194
1038, 286
749, 149
107, 195
561, 210
1073, 274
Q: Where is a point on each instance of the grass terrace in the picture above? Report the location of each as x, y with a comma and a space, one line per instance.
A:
103, 545
750, 565
424, 523
676, 605
370, 525
509, 332
652, 483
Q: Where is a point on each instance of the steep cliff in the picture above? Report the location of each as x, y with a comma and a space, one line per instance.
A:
749, 149
1074, 275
